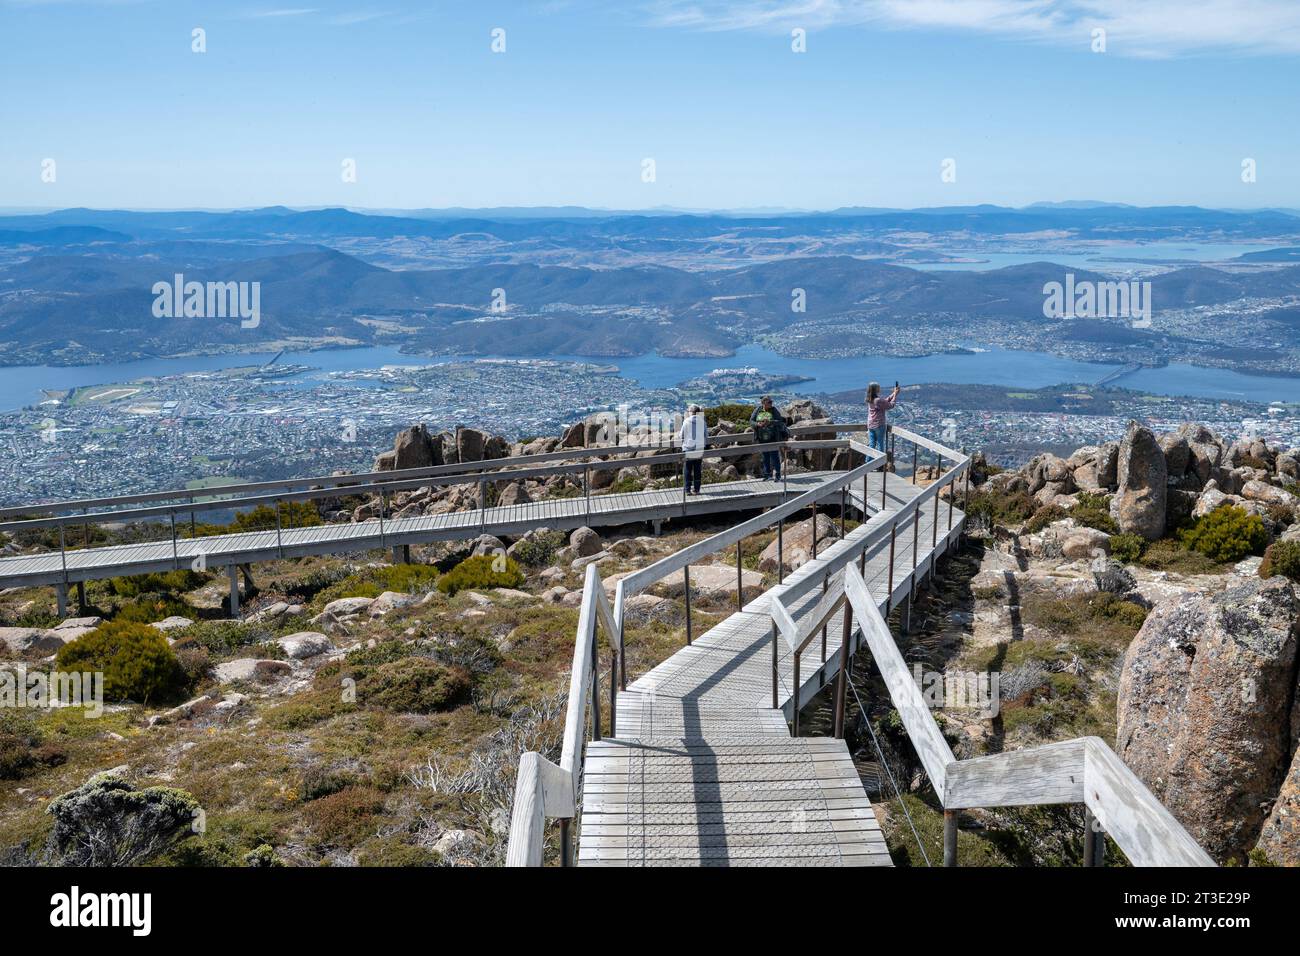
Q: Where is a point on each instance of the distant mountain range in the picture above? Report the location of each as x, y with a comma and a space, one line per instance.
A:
75, 284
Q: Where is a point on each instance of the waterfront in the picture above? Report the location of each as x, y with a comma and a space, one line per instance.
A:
20, 386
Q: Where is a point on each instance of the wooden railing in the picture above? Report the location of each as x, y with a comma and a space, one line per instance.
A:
544, 790
856, 547
1083, 770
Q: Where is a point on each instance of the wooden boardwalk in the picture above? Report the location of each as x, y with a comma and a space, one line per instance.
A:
600, 510
702, 770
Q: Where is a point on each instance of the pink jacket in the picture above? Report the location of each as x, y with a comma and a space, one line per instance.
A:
876, 411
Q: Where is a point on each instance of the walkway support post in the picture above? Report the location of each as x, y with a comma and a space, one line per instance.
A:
776, 700
61, 598
232, 571
950, 837
566, 842
81, 595
1094, 840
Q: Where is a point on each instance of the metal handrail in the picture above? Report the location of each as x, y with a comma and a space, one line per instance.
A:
351, 481
487, 472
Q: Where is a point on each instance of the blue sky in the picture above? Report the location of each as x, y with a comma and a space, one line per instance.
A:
711, 91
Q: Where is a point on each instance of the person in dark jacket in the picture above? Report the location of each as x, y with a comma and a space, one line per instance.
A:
769, 426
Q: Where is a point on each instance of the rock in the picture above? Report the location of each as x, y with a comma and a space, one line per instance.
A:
797, 543
1178, 455
1206, 453
482, 600
579, 563
81, 624
1255, 490
585, 542
713, 580
487, 544
304, 644
1209, 499
20, 639
1108, 465
173, 623
269, 613
1280, 837
1085, 544
641, 609
514, 494
1204, 704
345, 607
470, 443
413, 447
1139, 504
512, 594
242, 668
554, 595
389, 601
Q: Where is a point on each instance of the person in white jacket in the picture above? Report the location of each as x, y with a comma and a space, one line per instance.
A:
693, 435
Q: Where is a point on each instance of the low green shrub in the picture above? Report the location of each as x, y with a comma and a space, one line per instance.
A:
538, 549
23, 749
1093, 511
221, 637
150, 608
346, 817
482, 571
372, 582
1005, 508
414, 685
165, 582
1281, 557
1127, 548
135, 659
1226, 534
1045, 516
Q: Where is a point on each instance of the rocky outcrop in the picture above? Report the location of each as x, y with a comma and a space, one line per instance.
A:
796, 542
1139, 505
1204, 707
1280, 838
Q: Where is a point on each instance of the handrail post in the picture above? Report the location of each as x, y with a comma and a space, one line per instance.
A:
595, 683
383, 538
740, 587
826, 583
279, 541
934, 529
686, 581
916, 449
566, 841
613, 687
814, 531
841, 679
776, 701
586, 489
176, 561
893, 533
794, 691
950, 837
780, 551
844, 506
884, 483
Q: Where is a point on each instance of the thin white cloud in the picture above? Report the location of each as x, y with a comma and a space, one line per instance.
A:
292, 12
1147, 28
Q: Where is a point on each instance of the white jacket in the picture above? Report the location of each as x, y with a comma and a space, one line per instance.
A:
693, 435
